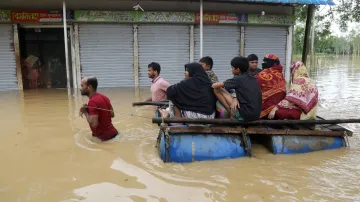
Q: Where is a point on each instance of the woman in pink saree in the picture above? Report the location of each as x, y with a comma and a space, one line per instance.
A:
301, 100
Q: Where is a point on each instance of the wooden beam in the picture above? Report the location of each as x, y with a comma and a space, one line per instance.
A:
310, 13
258, 122
259, 131
159, 103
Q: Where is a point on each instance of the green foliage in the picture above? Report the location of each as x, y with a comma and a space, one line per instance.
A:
325, 42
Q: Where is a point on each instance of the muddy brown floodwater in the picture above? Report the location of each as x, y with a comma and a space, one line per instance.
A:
47, 153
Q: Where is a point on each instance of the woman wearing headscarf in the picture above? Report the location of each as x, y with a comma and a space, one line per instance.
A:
194, 96
301, 100
272, 83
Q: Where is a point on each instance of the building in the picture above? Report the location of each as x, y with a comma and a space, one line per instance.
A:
115, 43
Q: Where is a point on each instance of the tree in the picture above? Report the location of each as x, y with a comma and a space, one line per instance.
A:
325, 42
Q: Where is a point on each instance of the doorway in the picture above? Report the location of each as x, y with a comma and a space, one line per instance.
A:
42, 53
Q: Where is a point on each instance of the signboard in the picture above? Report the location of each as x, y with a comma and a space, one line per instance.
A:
5, 15
172, 17
221, 18
180, 17
105, 16
270, 19
22, 16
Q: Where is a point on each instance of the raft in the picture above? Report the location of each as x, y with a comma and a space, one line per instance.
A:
183, 144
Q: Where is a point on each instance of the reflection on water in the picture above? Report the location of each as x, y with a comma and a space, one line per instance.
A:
48, 153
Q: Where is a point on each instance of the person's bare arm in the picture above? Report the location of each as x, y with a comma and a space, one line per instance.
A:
93, 120
218, 85
91, 114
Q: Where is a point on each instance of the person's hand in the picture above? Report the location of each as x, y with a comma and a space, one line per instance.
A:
83, 110
272, 113
164, 113
235, 104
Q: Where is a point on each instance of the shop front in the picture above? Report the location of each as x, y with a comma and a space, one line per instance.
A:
117, 46
32, 50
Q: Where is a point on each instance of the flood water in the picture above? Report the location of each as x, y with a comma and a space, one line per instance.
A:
47, 153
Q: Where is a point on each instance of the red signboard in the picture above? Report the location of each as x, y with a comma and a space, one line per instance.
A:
216, 18
35, 16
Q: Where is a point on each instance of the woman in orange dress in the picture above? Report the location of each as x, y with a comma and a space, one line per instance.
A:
272, 84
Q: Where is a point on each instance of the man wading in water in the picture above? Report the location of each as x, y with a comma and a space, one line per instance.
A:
98, 111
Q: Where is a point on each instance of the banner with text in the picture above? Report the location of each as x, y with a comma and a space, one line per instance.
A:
32, 16
221, 18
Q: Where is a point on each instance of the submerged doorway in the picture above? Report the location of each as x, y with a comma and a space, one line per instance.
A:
42, 53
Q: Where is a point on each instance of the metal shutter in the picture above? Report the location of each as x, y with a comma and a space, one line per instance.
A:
222, 43
106, 51
166, 44
266, 40
8, 79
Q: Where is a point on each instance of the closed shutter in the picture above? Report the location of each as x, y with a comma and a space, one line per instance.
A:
167, 45
222, 44
8, 79
106, 51
266, 40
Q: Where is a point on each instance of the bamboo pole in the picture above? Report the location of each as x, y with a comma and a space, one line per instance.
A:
201, 29
66, 47
259, 122
160, 103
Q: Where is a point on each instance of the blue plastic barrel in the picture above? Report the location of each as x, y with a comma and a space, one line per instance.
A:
187, 147
303, 144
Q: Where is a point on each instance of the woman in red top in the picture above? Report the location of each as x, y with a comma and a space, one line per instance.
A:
272, 83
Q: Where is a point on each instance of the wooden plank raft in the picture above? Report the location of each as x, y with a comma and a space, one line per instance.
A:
263, 127
258, 131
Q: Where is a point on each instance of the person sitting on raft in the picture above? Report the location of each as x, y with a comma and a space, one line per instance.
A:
192, 97
272, 84
301, 101
247, 90
207, 64
253, 64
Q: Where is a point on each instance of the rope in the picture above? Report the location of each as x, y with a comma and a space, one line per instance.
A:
245, 140
283, 140
124, 113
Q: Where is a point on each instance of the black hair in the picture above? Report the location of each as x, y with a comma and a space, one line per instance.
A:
155, 66
241, 63
252, 57
208, 61
92, 81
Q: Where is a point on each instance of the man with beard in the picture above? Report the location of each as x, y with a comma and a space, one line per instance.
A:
158, 84
98, 111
